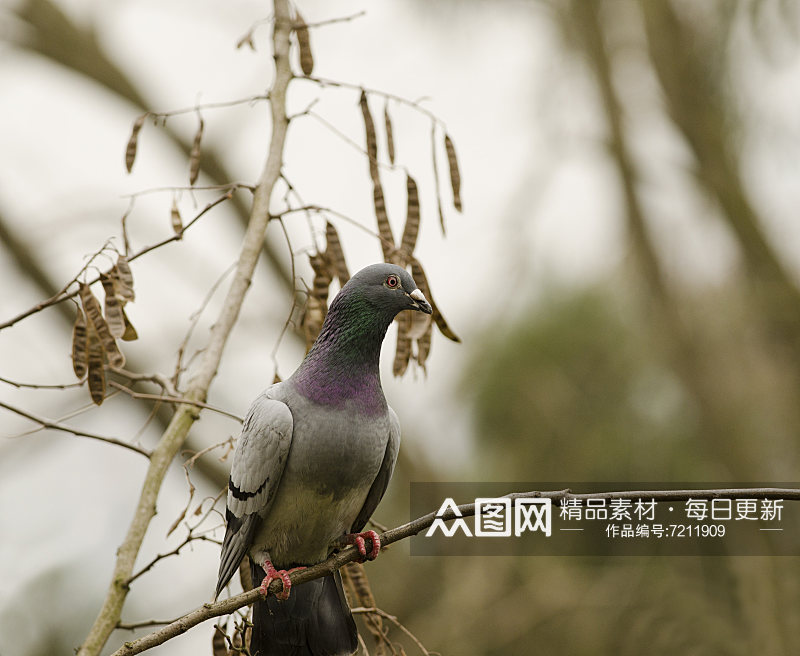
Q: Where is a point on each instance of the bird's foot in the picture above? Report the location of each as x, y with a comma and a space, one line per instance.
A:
281, 574
358, 540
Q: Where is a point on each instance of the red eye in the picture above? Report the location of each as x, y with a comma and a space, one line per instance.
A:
392, 282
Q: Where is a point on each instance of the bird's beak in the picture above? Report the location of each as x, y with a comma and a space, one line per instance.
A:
420, 302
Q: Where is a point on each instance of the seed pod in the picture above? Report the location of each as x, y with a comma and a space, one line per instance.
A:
422, 282
402, 354
113, 308
372, 143
455, 176
359, 584
322, 278
79, 345
335, 254
219, 646
304, 44
389, 132
409, 240
130, 332
194, 154
123, 279
384, 227
424, 346
95, 318
175, 218
312, 320
96, 377
436, 178
130, 150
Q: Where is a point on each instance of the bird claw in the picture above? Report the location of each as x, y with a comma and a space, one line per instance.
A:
281, 574
358, 540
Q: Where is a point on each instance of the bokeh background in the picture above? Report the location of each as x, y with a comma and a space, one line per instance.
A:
624, 280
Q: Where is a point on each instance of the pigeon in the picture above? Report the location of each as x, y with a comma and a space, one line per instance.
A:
314, 459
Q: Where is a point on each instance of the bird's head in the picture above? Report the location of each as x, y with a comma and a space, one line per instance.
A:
389, 288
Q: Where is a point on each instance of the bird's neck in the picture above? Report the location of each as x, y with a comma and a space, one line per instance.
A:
342, 368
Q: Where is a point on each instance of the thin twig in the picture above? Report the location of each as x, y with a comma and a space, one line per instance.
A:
211, 105
19, 385
172, 399
414, 104
46, 423
140, 625
393, 619
189, 538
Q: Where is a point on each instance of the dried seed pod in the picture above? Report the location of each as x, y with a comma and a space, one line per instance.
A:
175, 218
384, 227
389, 132
455, 176
95, 318
219, 645
322, 278
123, 279
130, 150
436, 184
411, 230
194, 154
424, 346
402, 354
304, 44
312, 320
372, 142
97, 376
335, 254
130, 333
359, 584
79, 345
113, 307
422, 282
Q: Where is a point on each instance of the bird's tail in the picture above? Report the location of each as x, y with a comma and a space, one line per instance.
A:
314, 621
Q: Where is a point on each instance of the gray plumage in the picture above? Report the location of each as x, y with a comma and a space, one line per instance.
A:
312, 463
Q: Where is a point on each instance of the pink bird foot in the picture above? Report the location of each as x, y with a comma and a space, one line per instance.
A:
281, 574
358, 540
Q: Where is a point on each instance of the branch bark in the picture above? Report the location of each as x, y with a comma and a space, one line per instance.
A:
350, 554
185, 415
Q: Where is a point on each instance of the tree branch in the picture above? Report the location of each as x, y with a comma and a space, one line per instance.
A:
46, 423
186, 415
334, 562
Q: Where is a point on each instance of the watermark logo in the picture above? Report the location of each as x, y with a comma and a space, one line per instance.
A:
496, 517
597, 519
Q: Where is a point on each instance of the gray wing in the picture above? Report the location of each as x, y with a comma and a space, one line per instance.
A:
381, 481
258, 463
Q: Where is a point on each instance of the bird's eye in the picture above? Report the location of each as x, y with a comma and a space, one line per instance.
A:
392, 282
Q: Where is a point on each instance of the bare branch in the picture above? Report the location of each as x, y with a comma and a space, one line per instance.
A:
173, 399
46, 423
187, 414
189, 538
350, 554
19, 385
393, 619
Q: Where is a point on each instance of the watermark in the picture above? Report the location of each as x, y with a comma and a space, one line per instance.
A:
505, 524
